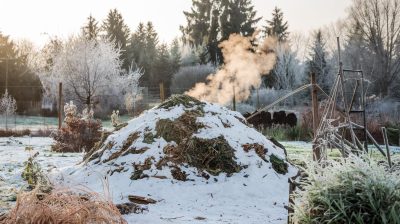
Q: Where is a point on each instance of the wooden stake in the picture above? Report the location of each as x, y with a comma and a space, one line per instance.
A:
314, 97
385, 139
162, 93
234, 99
59, 105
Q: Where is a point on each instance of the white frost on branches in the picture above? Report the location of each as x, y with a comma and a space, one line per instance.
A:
8, 105
89, 71
70, 111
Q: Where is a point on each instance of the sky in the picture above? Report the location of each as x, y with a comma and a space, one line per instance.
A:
36, 20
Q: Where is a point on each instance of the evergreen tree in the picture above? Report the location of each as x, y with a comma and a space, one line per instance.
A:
212, 21
317, 63
241, 18
175, 56
198, 22
151, 39
91, 29
163, 70
117, 31
21, 82
277, 27
142, 52
137, 46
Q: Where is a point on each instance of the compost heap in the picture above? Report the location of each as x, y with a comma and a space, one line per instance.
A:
195, 159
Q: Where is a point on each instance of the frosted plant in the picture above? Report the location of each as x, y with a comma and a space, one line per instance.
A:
347, 190
129, 85
70, 111
89, 70
87, 114
115, 118
8, 106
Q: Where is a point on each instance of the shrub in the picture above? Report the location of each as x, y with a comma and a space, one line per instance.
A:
286, 133
351, 190
14, 133
188, 76
78, 133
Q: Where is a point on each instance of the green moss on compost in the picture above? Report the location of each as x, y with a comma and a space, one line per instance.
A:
279, 165
148, 138
181, 128
120, 126
184, 100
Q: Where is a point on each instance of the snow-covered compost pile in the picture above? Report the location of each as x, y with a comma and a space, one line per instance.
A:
197, 160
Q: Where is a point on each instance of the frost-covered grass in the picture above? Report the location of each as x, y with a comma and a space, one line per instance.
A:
351, 190
300, 150
38, 122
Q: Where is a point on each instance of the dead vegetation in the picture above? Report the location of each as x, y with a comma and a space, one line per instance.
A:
185, 100
63, 206
77, 135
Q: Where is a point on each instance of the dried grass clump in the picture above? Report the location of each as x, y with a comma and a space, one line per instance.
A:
63, 206
350, 190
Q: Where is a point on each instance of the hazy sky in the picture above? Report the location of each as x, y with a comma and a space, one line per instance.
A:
34, 19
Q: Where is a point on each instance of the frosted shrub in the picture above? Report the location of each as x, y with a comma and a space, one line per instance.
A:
266, 96
79, 132
8, 106
70, 111
188, 76
245, 108
351, 190
115, 118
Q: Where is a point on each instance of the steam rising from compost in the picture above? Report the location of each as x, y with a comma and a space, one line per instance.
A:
242, 70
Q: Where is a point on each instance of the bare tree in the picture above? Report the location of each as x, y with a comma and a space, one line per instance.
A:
90, 71
379, 24
87, 68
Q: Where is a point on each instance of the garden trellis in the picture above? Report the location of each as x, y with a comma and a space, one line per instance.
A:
345, 101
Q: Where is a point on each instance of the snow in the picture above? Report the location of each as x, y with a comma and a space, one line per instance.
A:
12, 157
256, 194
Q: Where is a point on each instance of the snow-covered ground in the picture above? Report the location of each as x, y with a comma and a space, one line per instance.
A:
12, 158
219, 200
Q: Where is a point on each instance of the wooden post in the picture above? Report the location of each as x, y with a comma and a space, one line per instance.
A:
59, 105
314, 97
234, 99
386, 141
162, 93
258, 99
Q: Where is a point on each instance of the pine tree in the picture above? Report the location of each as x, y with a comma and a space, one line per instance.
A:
212, 21
198, 19
241, 18
15, 72
151, 39
317, 63
277, 27
175, 56
137, 46
91, 29
162, 69
117, 31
